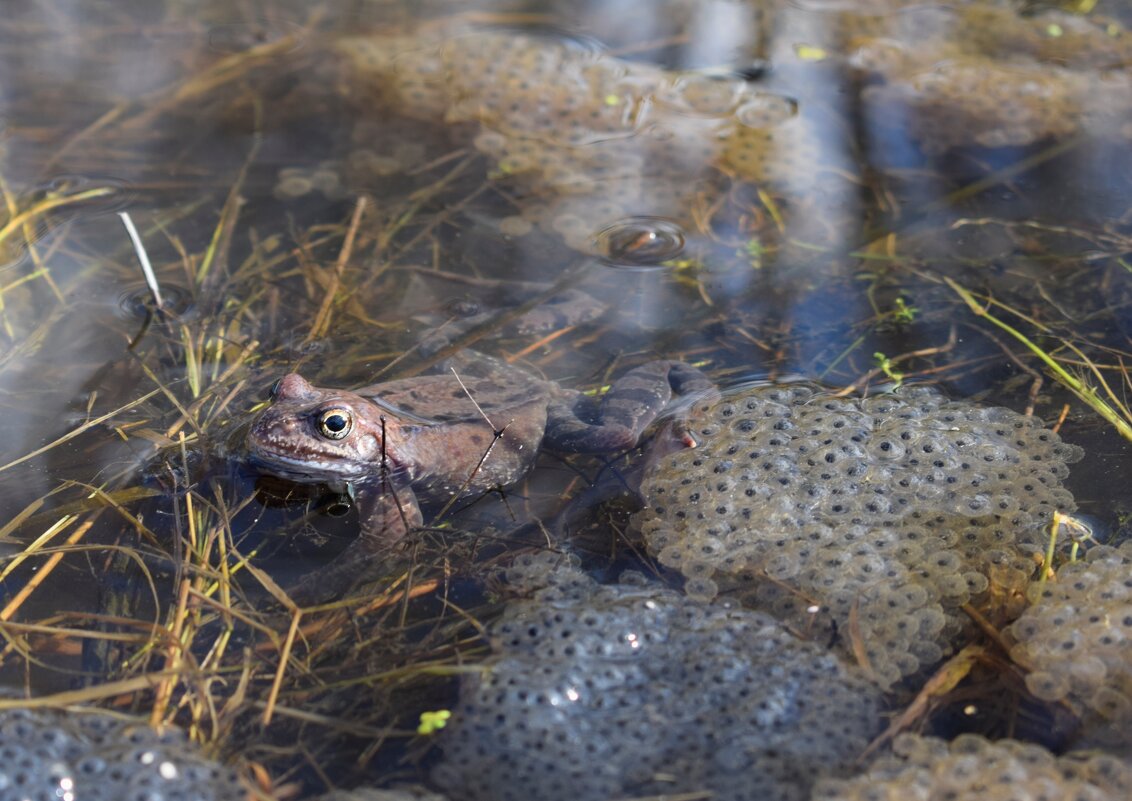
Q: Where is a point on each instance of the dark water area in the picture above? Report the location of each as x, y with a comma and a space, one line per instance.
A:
856, 195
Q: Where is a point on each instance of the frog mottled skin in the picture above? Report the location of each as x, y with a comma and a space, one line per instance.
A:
423, 440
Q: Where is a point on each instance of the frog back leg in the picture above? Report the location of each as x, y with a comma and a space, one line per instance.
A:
576, 424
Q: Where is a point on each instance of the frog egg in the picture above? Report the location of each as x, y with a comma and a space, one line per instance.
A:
704, 94
1112, 704
292, 183
701, 589
765, 110
515, 226
976, 582
326, 181
1087, 670
671, 556
491, 143
568, 179
570, 225
782, 566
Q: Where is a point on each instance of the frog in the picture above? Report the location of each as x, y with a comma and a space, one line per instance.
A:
400, 445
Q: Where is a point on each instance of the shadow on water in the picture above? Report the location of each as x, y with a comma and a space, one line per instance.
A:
861, 196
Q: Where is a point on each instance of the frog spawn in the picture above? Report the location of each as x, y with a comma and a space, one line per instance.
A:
893, 511
598, 692
998, 106
1077, 639
94, 757
373, 794
984, 75
971, 767
591, 139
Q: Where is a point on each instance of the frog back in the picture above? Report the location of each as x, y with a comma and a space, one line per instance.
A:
452, 445
442, 399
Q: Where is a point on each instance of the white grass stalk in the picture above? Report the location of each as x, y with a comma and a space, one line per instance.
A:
143, 258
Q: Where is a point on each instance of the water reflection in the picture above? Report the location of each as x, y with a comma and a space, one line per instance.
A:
589, 138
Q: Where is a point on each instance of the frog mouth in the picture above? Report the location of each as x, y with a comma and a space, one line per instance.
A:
314, 468
302, 469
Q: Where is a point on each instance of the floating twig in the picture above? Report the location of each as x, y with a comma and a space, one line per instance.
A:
143, 259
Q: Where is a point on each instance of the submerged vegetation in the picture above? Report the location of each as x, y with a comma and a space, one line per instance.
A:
316, 200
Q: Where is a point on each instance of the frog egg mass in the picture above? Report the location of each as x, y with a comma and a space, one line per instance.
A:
895, 510
601, 692
373, 794
49, 754
584, 139
971, 767
1077, 639
591, 138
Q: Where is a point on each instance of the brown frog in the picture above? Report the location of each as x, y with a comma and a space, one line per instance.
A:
400, 444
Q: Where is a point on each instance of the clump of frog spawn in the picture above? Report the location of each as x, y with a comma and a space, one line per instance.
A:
881, 516
591, 139
596, 138
599, 692
94, 757
1076, 638
983, 74
971, 767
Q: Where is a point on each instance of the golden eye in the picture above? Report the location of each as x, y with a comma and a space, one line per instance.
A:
335, 423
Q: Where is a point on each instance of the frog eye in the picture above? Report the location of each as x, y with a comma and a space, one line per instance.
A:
335, 423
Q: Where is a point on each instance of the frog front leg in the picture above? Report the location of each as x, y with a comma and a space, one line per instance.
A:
388, 512
577, 424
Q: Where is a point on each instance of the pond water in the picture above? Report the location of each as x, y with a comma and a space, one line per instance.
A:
858, 194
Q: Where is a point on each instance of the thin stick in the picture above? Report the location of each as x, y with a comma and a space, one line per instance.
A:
475, 403
497, 434
143, 259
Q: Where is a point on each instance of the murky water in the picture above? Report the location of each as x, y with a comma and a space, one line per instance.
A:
765, 190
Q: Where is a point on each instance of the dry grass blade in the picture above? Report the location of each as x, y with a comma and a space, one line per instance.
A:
100, 692
41, 575
322, 318
284, 658
41, 208
953, 671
